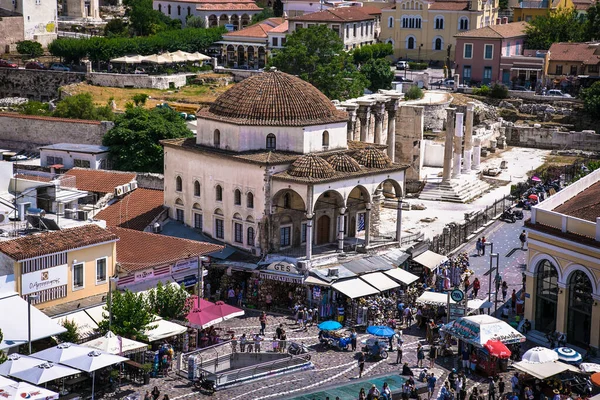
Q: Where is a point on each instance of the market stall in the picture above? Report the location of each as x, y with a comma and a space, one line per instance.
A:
544, 370
430, 260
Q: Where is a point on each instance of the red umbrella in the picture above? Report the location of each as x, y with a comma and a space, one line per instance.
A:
533, 197
497, 349
225, 311
595, 378
193, 301
201, 318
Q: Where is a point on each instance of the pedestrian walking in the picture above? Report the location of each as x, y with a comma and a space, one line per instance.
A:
283, 343
467, 283
498, 281
513, 301
514, 382
399, 352
501, 387
301, 316
476, 286
353, 336
233, 344
263, 322
483, 245
478, 246
275, 344
361, 364
431, 385
420, 355
257, 340
309, 316
504, 290
523, 239
433, 353
243, 341
492, 390
268, 301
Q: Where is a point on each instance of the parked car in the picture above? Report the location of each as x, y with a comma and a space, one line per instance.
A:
139, 71
449, 83
18, 157
557, 93
59, 67
8, 64
35, 65
399, 78
402, 65
521, 89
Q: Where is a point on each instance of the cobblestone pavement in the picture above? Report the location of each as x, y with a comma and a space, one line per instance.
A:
333, 366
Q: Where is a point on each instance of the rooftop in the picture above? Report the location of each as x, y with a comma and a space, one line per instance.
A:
341, 14
40, 244
450, 5
99, 181
40, 118
503, 31
228, 6
587, 53
584, 205
136, 210
140, 250
259, 30
79, 148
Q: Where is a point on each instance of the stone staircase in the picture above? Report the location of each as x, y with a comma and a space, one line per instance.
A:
456, 190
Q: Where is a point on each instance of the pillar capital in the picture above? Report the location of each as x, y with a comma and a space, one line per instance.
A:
309, 216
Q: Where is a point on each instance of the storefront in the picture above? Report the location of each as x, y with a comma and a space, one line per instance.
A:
284, 282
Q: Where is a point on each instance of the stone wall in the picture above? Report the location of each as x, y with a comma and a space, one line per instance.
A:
35, 85
238, 74
409, 136
29, 132
551, 138
151, 181
11, 31
140, 81
435, 116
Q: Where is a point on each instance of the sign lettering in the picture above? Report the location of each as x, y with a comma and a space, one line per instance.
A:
283, 267
144, 275
44, 279
184, 265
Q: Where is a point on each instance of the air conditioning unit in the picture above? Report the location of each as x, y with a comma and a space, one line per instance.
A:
333, 272
126, 188
82, 215
70, 213
156, 228
119, 191
133, 185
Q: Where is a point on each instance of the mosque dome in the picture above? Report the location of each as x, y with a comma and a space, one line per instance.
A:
311, 166
343, 163
372, 157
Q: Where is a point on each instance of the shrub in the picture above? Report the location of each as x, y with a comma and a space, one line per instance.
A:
30, 48
482, 91
499, 91
414, 93
417, 66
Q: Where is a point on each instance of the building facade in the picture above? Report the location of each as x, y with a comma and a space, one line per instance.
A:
526, 10
39, 18
12, 30
424, 30
563, 270
71, 155
232, 14
573, 59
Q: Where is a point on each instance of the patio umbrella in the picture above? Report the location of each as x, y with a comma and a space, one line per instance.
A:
595, 378
329, 326
567, 354
539, 355
64, 351
199, 57
224, 311
589, 367
93, 361
193, 303
384, 331
23, 390
178, 56
533, 197
18, 362
157, 59
535, 179
203, 318
497, 349
114, 344
45, 372
5, 381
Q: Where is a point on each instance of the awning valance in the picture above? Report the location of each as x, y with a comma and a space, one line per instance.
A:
544, 370
355, 288
402, 275
434, 298
479, 329
313, 280
282, 277
430, 260
380, 281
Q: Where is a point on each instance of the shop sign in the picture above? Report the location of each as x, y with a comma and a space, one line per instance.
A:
316, 292
282, 278
44, 279
184, 265
527, 296
456, 311
283, 266
188, 281
144, 275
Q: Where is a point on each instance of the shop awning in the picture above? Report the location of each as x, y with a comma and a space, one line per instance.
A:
164, 329
401, 275
476, 304
313, 280
86, 326
282, 277
479, 329
430, 260
380, 281
544, 370
434, 298
368, 264
96, 313
396, 256
354, 288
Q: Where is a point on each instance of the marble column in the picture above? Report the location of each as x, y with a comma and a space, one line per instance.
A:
379, 113
309, 235
364, 115
399, 221
391, 107
340, 233
502, 138
351, 109
458, 136
368, 225
450, 116
468, 153
476, 153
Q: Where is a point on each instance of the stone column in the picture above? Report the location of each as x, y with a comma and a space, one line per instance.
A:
351, 109
309, 242
502, 138
364, 114
391, 107
340, 234
595, 328
399, 221
468, 153
206, 23
476, 153
368, 225
562, 307
378, 112
458, 136
451, 113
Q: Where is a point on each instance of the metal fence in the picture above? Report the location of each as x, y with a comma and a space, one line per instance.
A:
456, 234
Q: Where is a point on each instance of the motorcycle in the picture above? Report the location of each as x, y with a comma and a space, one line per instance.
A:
376, 349
204, 384
508, 216
296, 349
518, 214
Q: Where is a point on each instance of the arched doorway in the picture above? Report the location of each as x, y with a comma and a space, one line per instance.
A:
230, 55
213, 21
245, 20
251, 56
546, 297
323, 229
235, 21
261, 57
288, 220
223, 20
241, 56
579, 321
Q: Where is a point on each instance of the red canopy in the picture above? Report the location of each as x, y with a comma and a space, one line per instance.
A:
203, 303
497, 349
202, 318
533, 196
224, 311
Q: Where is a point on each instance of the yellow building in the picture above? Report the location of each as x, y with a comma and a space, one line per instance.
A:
61, 266
563, 271
422, 30
529, 9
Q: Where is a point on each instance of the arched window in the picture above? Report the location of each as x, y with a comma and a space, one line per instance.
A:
189, 11
325, 139
196, 188
160, 8
546, 297
250, 200
438, 43
178, 10
271, 142
219, 193
250, 236
463, 24
391, 22
439, 22
169, 8
287, 200
237, 197
217, 138
410, 42
178, 184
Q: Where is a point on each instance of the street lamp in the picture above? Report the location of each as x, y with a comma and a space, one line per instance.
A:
29, 298
201, 261
110, 282
492, 257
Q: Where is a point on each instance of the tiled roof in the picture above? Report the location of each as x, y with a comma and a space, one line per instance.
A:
99, 181
141, 250
136, 210
259, 30
54, 119
33, 178
583, 5
582, 52
273, 98
283, 28
337, 175
512, 29
585, 205
56, 241
343, 163
341, 14
311, 166
450, 5
371, 157
371, 10
228, 6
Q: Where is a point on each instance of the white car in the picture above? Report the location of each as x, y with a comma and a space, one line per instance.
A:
20, 157
557, 93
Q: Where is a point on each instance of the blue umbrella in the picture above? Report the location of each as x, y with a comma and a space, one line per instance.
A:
567, 354
384, 331
329, 326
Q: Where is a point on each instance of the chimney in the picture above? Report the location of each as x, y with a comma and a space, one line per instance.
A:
504, 20
498, 21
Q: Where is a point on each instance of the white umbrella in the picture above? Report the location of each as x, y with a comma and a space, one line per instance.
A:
114, 344
24, 390
128, 59
5, 381
539, 355
157, 59
62, 352
589, 367
93, 361
199, 56
18, 362
178, 56
45, 372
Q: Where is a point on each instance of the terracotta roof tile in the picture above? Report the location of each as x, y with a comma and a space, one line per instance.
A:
141, 250
582, 5
512, 29
371, 157
450, 5
585, 205
343, 163
99, 181
338, 175
283, 28
311, 166
371, 10
33, 178
228, 6
259, 30
586, 53
136, 210
40, 118
56, 241
341, 14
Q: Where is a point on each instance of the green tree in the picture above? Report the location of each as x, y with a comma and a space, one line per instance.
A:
317, 55
592, 23
169, 301
81, 106
591, 99
33, 107
140, 99
194, 21
144, 20
130, 315
2, 355
378, 73
134, 140
30, 48
267, 12
560, 25
71, 335
116, 27
372, 51
414, 93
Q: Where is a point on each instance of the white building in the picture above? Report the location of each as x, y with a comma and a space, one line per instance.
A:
233, 14
39, 18
356, 26
272, 170
72, 155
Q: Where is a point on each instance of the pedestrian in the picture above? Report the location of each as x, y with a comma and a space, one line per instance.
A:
498, 281
278, 331
257, 340
233, 344
362, 395
399, 351
478, 246
309, 316
504, 290
476, 286
300, 316
420, 355
155, 393
231, 297
492, 389
290, 299
361, 364
166, 397
463, 387
431, 385
514, 381
283, 343
526, 326
465, 358
523, 239
386, 393
501, 386
408, 316
374, 393
483, 241
243, 342
353, 336
148, 396
433, 353
406, 391
263, 322
513, 301
275, 344
268, 301
467, 283
474, 394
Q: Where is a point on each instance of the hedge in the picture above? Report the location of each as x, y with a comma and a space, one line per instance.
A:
417, 66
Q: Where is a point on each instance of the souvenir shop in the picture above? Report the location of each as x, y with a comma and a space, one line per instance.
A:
452, 272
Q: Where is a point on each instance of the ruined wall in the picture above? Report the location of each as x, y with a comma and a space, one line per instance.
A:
34, 84
409, 136
149, 180
551, 138
11, 31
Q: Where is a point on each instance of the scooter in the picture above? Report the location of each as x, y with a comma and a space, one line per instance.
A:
296, 349
518, 214
204, 384
508, 216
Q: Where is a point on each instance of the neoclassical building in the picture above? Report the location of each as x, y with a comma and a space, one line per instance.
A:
272, 170
233, 14
563, 270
